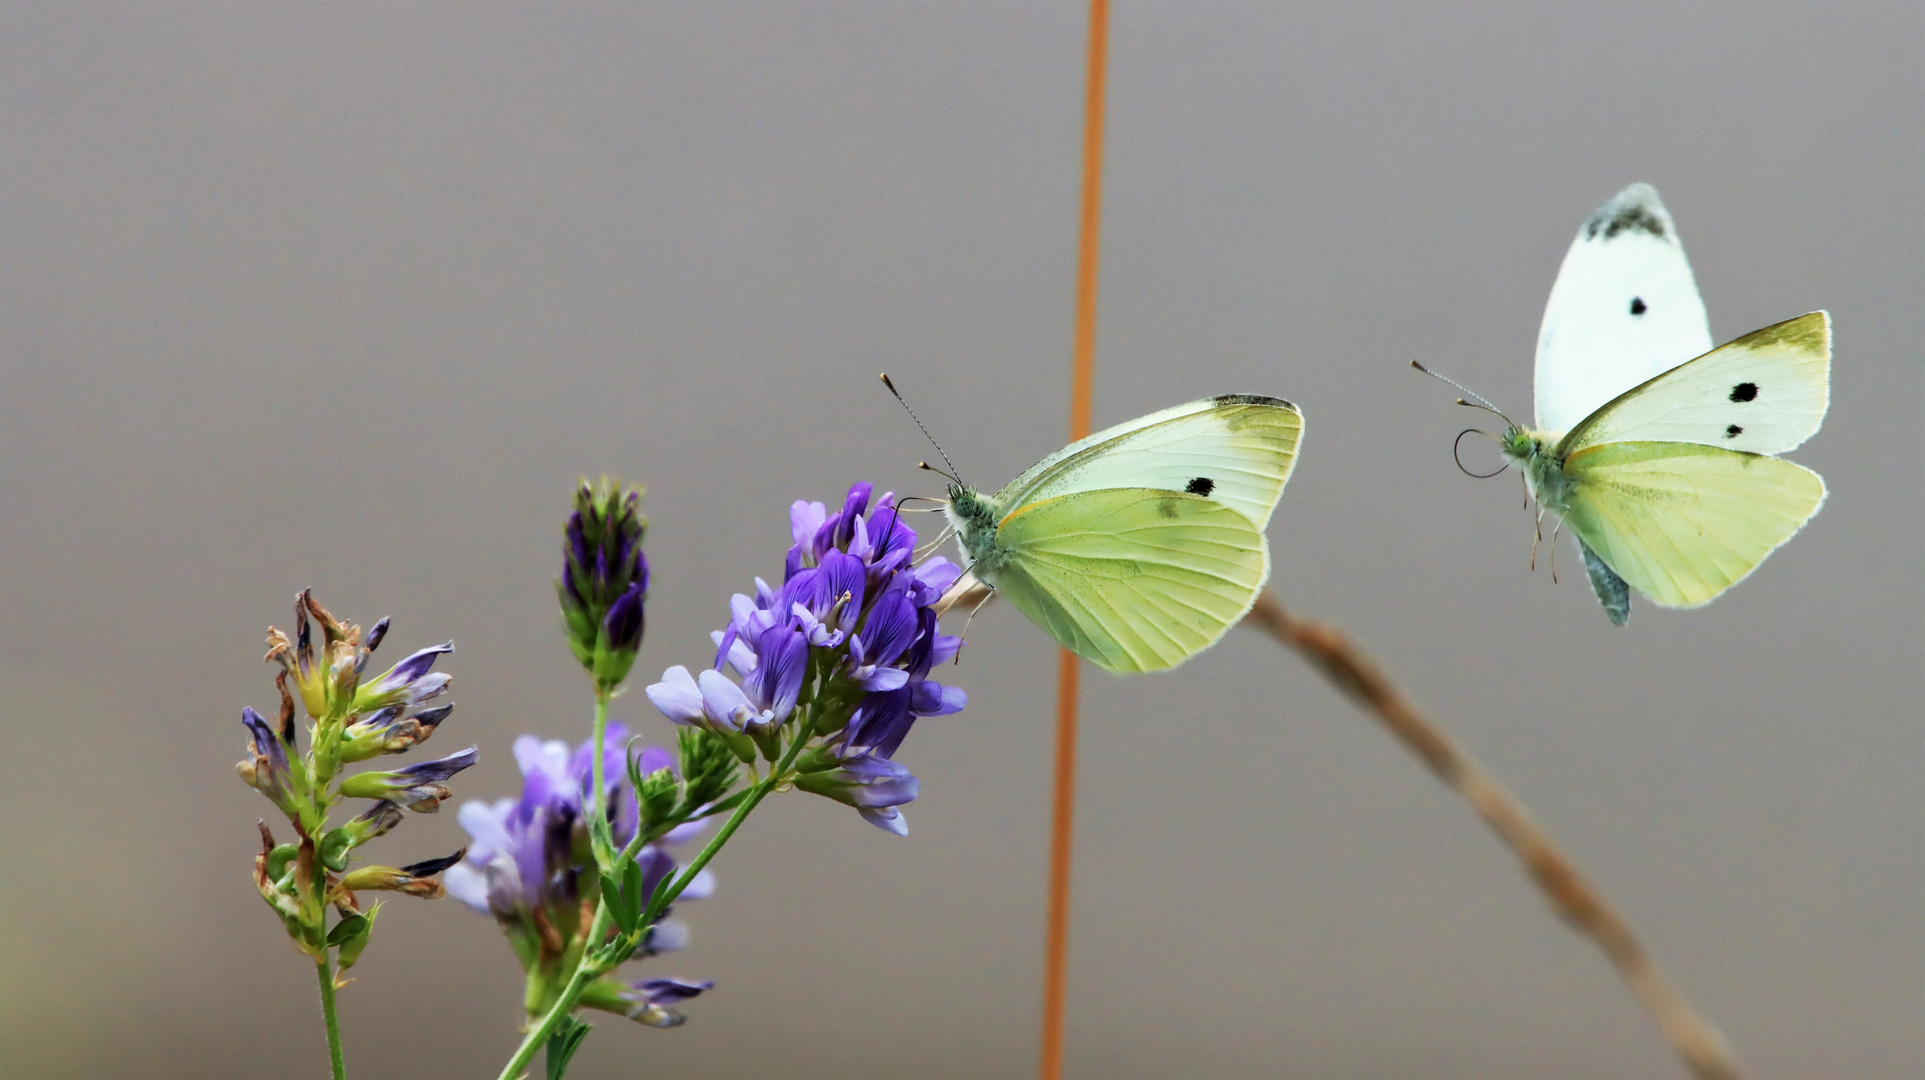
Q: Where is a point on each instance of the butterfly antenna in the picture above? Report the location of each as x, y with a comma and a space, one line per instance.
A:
951, 474
1479, 401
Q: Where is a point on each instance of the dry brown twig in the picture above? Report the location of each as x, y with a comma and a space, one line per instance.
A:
1573, 897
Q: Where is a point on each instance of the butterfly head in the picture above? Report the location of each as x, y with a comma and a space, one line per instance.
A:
1519, 446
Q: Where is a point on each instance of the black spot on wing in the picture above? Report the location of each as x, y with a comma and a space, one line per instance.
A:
1166, 507
1733, 431
1638, 306
1745, 391
1202, 485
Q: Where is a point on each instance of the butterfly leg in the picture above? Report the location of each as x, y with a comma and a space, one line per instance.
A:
1537, 538
1556, 531
989, 593
941, 538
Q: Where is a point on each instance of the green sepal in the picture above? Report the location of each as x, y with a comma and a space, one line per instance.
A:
770, 743
562, 1045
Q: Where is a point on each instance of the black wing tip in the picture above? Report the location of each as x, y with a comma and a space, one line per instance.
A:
1252, 399
1635, 209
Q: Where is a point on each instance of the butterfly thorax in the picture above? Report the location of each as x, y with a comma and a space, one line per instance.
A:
975, 516
1534, 453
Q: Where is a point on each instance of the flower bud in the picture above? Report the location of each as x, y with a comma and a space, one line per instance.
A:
407, 683
418, 787
385, 732
645, 1002
658, 793
416, 879
266, 768
604, 580
709, 767
875, 786
375, 821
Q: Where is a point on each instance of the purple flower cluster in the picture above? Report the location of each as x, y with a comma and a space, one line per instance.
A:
604, 580
853, 632
529, 863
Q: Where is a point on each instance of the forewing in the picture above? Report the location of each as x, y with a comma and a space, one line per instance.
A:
1236, 450
1763, 394
1682, 523
1624, 308
1132, 579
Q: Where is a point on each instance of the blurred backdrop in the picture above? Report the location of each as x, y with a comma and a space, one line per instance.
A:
349, 295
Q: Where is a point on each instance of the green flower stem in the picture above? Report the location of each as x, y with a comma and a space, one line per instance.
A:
598, 803
587, 969
326, 972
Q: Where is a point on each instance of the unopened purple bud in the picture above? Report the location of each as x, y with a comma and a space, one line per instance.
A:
376, 820
649, 1000
621, 634
417, 879
604, 579
852, 509
418, 787
385, 732
265, 768
375, 635
408, 682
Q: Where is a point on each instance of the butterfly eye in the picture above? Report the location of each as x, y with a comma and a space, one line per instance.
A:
1638, 306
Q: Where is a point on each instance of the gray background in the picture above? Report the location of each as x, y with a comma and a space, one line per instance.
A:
348, 295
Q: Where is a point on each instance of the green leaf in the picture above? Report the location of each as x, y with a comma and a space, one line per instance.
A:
562, 1045
632, 894
619, 907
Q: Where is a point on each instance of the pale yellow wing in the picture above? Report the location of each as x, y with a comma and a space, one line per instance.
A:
1764, 393
1681, 522
1131, 579
1236, 449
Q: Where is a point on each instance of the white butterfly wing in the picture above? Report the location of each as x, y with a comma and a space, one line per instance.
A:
1764, 393
1624, 308
1235, 449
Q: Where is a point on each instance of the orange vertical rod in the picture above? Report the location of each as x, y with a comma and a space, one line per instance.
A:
1082, 380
